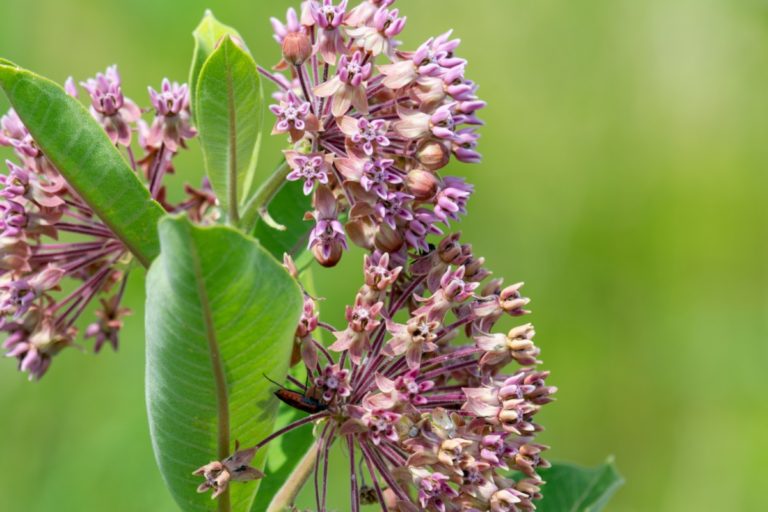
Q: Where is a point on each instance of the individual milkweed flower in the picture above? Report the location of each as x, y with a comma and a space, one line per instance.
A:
333, 383
434, 492
235, 468
328, 18
293, 117
464, 146
291, 26
501, 349
35, 347
377, 271
365, 11
363, 318
114, 111
309, 319
14, 134
327, 239
312, 169
393, 208
376, 37
451, 200
110, 322
347, 88
172, 124
413, 339
441, 124
453, 291
367, 136
405, 388
432, 60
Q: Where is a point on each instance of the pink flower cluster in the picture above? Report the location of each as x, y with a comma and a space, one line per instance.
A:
372, 125
56, 256
434, 405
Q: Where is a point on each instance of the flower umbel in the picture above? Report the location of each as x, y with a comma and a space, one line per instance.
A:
383, 120
433, 404
56, 256
426, 407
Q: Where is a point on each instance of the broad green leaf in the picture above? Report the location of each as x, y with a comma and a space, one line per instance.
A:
283, 454
80, 149
229, 118
221, 312
572, 488
287, 451
288, 208
209, 32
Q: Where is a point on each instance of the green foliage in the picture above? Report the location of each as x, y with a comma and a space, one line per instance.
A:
229, 106
573, 488
209, 32
218, 305
283, 455
80, 149
288, 208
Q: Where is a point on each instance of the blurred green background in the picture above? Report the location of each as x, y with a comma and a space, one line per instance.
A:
625, 180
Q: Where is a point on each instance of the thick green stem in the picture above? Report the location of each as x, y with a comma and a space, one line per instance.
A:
285, 497
257, 206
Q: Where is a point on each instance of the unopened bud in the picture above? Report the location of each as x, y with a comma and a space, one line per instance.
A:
422, 184
361, 232
450, 249
328, 257
388, 239
297, 48
433, 155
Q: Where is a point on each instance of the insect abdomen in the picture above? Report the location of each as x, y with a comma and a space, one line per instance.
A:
299, 401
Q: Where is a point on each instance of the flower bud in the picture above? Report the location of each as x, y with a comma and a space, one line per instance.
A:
330, 257
297, 48
422, 184
361, 232
433, 155
388, 239
450, 250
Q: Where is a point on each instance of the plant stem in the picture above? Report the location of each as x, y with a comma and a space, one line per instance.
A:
285, 497
257, 205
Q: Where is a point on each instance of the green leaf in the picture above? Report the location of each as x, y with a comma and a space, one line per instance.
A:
288, 208
206, 35
572, 488
283, 454
287, 451
80, 149
220, 313
229, 105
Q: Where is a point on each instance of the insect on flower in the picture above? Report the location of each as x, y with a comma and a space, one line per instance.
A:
298, 400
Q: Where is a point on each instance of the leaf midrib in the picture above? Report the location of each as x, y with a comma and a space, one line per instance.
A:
220, 380
234, 217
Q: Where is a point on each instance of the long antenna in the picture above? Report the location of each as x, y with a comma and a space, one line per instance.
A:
275, 383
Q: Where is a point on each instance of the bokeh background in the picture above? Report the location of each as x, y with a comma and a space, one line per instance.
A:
625, 180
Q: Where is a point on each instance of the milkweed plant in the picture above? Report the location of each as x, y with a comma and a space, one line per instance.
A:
250, 389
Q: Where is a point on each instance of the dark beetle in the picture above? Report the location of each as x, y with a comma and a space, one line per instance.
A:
298, 400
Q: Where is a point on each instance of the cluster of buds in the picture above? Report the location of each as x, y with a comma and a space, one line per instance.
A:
372, 125
56, 256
